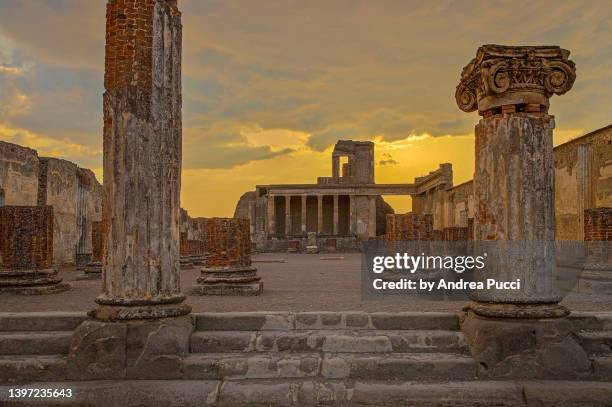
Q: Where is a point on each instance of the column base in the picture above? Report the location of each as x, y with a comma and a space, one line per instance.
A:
92, 271
31, 282
228, 281
111, 309
145, 349
528, 345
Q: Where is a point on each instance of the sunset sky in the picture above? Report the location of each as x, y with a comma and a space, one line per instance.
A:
269, 86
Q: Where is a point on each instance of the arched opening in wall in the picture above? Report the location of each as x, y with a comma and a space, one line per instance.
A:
344, 167
344, 215
328, 214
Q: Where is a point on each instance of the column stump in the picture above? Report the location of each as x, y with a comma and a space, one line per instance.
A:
26, 251
228, 270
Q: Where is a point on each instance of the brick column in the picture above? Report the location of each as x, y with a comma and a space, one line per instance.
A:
142, 161
514, 193
287, 215
304, 198
597, 271
26, 251
319, 214
228, 269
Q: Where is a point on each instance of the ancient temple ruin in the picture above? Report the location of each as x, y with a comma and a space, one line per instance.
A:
340, 209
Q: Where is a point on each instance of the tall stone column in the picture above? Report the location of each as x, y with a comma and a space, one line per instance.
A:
517, 332
271, 216
352, 215
304, 199
287, 215
372, 216
140, 327
319, 214
335, 232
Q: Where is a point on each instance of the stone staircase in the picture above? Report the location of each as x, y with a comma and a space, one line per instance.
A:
309, 358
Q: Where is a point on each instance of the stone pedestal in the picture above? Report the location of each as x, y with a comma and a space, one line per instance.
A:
293, 246
517, 333
26, 251
312, 246
93, 269
228, 270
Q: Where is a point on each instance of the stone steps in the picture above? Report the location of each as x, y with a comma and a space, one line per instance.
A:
351, 320
35, 343
290, 365
340, 340
596, 342
40, 321
25, 368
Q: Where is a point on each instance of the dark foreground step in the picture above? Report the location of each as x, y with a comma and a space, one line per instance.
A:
396, 366
35, 343
596, 342
338, 340
188, 393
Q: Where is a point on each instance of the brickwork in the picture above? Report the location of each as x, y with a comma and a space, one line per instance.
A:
42, 182
409, 226
455, 234
26, 237
598, 224
229, 242
598, 235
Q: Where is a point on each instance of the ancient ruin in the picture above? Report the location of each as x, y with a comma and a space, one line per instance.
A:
228, 269
26, 251
74, 194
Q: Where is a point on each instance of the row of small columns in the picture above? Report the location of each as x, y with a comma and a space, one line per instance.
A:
272, 214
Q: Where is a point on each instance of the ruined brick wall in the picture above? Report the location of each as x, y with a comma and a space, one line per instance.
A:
598, 224
229, 242
19, 169
455, 234
26, 237
409, 226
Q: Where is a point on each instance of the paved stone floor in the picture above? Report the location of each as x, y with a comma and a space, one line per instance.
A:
302, 283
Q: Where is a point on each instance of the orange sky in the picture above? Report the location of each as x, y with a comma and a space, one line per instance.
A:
269, 87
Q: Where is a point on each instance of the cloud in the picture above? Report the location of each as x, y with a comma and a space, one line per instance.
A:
387, 160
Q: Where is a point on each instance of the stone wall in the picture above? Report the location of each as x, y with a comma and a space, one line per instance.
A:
583, 180
73, 192
26, 237
19, 167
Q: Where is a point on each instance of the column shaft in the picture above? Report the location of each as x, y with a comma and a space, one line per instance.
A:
335, 233
287, 215
304, 199
319, 214
271, 213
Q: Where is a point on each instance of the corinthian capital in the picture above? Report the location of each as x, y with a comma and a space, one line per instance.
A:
505, 75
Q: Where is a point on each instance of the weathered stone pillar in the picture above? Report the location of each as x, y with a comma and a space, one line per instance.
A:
287, 215
271, 214
372, 216
335, 232
304, 198
352, 216
140, 329
319, 214
26, 251
228, 270
517, 332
